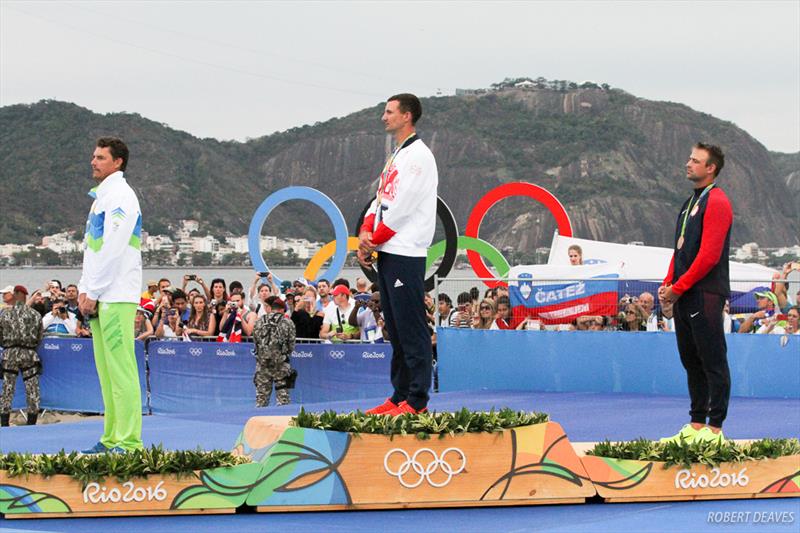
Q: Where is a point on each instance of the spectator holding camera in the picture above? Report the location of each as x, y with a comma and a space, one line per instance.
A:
335, 326
36, 302
164, 304
202, 322
307, 320
235, 309
463, 318
367, 316
59, 321
169, 327
589, 323
263, 287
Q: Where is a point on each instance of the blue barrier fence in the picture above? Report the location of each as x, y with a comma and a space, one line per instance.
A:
69, 379
193, 377
197, 376
766, 366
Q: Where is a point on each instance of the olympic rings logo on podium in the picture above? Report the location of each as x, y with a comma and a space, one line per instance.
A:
477, 249
336, 354
436, 463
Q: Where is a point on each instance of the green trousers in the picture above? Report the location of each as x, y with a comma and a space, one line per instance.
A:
112, 338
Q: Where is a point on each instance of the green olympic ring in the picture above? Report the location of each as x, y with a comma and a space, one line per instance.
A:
475, 244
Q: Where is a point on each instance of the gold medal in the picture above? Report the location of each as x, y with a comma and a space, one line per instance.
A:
695, 210
680, 242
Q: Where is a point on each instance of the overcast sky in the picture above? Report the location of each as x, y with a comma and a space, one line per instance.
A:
237, 70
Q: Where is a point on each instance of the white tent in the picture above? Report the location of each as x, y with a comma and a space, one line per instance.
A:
648, 262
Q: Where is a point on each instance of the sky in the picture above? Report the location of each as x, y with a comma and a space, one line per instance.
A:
239, 70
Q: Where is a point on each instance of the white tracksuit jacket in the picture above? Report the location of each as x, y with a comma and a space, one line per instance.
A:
409, 201
112, 258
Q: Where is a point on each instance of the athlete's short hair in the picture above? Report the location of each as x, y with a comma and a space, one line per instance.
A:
408, 103
715, 156
117, 148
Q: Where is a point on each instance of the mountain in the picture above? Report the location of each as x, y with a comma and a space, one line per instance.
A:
788, 166
614, 160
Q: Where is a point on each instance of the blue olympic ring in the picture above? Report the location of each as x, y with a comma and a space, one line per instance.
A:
298, 193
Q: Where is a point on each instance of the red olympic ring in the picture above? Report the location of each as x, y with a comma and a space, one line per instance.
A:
502, 192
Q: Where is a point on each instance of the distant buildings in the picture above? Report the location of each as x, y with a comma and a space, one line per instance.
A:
163, 249
63, 249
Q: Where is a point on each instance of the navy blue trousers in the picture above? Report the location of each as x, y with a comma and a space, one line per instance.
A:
402, 285
704, 354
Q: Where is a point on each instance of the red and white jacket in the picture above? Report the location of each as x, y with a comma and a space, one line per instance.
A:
407, 219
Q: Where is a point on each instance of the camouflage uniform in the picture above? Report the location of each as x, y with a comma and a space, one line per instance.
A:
20, 334
274, 337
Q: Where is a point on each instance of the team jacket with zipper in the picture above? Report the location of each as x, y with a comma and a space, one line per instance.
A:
112, 258
407, 219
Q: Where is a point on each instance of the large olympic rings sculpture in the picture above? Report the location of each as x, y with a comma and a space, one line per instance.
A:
447, 249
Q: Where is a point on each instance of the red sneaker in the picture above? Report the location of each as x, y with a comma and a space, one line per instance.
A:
404, 408
384, 408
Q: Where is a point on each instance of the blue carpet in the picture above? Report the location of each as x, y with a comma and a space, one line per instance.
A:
584, 416
594, 518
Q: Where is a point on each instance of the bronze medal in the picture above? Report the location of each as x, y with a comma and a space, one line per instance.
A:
680, 242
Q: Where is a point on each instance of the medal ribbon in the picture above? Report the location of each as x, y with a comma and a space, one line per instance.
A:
385, 176
691, 204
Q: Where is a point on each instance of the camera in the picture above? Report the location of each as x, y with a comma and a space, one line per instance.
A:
232, 305
263, 274
191, 277
291, 379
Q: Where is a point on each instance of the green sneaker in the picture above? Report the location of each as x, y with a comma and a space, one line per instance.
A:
686, 435
706, 434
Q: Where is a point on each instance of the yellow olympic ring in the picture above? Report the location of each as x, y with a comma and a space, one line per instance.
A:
325, 253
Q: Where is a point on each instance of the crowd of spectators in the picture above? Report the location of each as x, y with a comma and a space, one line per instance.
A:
335, 312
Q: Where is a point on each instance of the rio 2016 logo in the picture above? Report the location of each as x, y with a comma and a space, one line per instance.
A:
686, 479
96, 493
447, 249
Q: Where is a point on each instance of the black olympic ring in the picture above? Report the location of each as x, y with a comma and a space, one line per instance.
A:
445, 215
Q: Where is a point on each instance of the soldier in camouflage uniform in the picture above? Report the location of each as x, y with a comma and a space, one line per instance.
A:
20, 334
274, 337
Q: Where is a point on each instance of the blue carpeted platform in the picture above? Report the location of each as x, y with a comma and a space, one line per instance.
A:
584, 416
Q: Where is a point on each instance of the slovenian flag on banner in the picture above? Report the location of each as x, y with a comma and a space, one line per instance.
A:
231, 330
558, 294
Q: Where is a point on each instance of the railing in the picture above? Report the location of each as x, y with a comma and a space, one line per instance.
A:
567, 303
